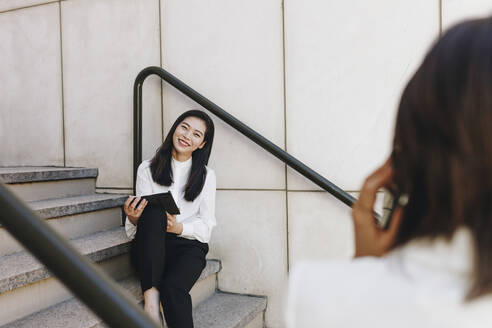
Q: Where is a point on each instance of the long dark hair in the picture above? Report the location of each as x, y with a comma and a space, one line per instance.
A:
160, 165
442, 151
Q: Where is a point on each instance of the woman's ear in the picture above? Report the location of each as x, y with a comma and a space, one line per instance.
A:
202, 145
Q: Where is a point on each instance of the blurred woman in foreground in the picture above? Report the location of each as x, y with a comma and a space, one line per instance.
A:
432, 266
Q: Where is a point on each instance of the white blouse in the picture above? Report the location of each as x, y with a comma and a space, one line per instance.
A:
422, 284
197, 216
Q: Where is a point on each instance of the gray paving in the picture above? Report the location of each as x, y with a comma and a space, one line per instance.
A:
23, 174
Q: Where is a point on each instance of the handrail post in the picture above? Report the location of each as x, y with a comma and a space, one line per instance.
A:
137, 129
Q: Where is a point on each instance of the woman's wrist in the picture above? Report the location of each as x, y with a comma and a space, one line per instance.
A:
133, 219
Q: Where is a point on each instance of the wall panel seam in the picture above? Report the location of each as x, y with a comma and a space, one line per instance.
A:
285, 137
218, 189
62, 86
259, 189
115, 188
160, 64
440, 18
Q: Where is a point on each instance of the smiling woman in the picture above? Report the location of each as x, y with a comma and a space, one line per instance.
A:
188, 137
168, 251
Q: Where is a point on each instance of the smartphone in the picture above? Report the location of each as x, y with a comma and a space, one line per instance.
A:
391, 202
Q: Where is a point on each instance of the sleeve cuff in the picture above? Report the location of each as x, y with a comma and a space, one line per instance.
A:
187, 230
130, 229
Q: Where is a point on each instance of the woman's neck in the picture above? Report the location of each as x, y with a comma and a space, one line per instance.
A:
180, 157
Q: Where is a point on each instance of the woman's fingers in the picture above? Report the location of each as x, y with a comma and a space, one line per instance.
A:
171, 216
392, 231
380, 178
171, 220
126, 206
130, 207
142, 205
133, 205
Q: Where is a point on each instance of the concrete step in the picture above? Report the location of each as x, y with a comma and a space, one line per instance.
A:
205, 286
225, 310
53, 208
36, 183
221, 310
19, 269
27, 287
218, 310
75, 217
72, 313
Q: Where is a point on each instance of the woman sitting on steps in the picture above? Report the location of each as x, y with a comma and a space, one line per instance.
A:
168, 251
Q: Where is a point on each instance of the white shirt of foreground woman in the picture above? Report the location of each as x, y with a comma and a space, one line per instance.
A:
422, 284
198, 216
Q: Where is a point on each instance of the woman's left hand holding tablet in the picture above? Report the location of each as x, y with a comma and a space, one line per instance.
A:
132, 210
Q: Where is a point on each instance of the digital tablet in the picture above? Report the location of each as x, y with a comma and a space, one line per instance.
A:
164, 200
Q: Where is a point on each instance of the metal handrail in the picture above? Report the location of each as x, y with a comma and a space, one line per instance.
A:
229, 119
89, 283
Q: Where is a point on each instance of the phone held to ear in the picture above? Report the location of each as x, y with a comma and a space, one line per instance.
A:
391, 202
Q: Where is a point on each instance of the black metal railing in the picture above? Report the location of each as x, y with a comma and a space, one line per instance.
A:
76, 272
229, 119
89, 283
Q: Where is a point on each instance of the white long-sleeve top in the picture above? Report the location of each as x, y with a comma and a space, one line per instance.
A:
421, 284
197, 216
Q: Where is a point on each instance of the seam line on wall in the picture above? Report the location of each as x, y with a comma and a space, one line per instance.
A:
160, 64
31, 6
221, 189
251, 189
115, 188
62, 86
440, 18
285, 137
257, 189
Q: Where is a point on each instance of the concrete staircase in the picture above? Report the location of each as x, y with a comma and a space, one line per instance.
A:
31, 297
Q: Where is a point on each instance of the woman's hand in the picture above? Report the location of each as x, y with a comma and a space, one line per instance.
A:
132, 211
370, 239
172, 225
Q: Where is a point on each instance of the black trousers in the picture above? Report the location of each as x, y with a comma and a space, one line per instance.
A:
170, 263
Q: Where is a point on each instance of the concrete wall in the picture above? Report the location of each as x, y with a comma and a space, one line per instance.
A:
320, 79
31, 124
67, 74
